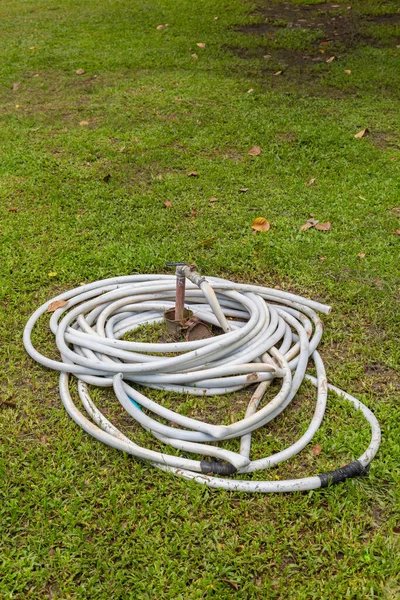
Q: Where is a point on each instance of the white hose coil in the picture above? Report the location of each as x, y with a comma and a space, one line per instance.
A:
268, 334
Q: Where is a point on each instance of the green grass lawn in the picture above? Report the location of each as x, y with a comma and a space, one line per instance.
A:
87, 163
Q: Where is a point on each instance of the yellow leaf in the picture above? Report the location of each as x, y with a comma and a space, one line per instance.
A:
361, 133
52, 274
261, 224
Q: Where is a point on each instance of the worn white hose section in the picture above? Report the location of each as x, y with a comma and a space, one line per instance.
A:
267, 335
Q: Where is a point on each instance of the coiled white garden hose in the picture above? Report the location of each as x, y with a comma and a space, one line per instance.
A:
267, 334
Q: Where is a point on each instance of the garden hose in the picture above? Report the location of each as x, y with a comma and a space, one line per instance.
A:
267, 334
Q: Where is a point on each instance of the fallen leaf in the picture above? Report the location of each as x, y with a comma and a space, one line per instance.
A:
168, 203
316, 449
80, 71
306, 226
15, 86
194, 56
250, 91
206, 243
160, 27
323, 226
84, 123
213, 200
322, 258
12, 209
396, 231
232, 583
33, 48
193, 212
107, 178
122, 149
261, 224
136, 139
278, 73
267, 55
193, 174
396, 210
324, 43
255, 151
17, 106
347, 71
52, 274
331, 59
43, 440
361, 255
56, 304
311, 182
51, 552
243, 190
216, 18
201, 45
159, 176
361, 133
37, 75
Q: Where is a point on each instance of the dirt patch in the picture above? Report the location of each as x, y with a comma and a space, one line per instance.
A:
325, 30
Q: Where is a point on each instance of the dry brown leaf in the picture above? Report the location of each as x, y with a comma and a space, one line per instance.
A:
316, 449
323, 226
80, 71
250, 91
12, 209
311, 182
194, 56
331, 59
261, 224
56, 304
325, 43
193, 174
396, 231
159, 176
16, 86
216, 18
396, 210
193, 212
278, 73
160, 27
213, 200
43, 440
84, 123
347, 71
361, 133
201, 45
235, 585
322, 258
306, 226
243, 190
168, 203
255, 151
361, 255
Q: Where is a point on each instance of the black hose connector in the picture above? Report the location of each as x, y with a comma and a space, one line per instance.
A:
217, 467
353, 469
